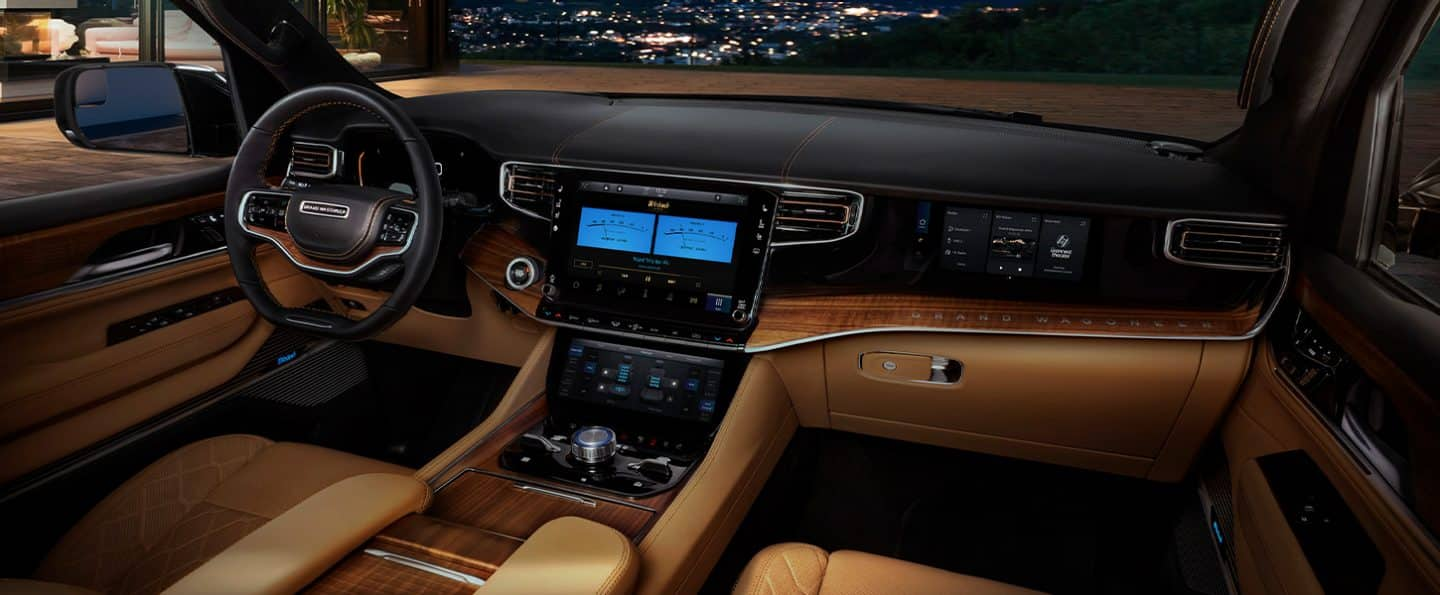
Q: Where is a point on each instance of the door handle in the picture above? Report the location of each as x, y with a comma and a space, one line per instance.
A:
124, 262
911, 367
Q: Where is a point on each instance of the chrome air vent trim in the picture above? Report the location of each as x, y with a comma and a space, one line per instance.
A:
1261, 235
539, 182
835, 215
314, 160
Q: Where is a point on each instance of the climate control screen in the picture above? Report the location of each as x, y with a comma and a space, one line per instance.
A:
664, 383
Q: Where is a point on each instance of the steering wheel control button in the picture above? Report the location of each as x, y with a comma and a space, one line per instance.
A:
396, 227
267, 211
593, 445
521, 273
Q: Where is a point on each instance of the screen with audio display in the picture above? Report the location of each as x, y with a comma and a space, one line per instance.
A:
700, 239
622, 231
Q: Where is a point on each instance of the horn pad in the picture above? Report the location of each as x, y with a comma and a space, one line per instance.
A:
338, 224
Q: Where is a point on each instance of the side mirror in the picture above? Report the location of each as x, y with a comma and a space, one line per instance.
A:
148, 107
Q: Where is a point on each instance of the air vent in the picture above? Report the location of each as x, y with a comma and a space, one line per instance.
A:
529, 189
314, 160
1235, 245
810, 216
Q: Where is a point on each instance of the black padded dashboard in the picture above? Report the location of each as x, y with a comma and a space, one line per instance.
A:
873, 151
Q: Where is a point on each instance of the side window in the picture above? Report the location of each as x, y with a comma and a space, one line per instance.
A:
1410, 239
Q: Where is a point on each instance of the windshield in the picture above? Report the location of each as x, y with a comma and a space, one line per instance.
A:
1169, 67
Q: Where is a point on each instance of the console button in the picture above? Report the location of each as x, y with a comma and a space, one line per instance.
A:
651, 395
521, 273
715, 302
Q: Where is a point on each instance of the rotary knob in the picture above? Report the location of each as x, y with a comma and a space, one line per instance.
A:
593, 444
521, 273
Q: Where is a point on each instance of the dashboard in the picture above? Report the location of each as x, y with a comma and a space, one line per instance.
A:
747, 225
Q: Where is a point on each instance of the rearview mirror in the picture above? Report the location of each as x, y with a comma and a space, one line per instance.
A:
149, 107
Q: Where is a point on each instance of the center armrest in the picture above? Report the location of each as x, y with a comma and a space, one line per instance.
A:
568, 555
295, 548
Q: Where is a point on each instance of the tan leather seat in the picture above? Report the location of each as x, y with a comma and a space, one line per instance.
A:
190, 505
801, 569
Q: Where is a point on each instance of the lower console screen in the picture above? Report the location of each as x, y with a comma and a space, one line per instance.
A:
674, 385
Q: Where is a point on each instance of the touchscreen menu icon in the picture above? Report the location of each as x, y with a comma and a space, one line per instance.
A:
1061, 253
1012, 244
964, 239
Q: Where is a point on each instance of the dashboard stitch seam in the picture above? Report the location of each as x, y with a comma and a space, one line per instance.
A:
555, 155
804, 142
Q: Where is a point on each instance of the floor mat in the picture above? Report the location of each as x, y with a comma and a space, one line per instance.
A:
1045, 527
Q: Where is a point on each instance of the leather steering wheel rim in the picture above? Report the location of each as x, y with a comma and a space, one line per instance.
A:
248, 175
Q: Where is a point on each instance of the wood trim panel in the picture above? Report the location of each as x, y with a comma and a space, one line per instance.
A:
450, 542
44, 259
491, 249
501, 505
795, 316
492, 503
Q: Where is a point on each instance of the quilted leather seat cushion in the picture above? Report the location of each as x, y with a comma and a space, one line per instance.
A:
189, 506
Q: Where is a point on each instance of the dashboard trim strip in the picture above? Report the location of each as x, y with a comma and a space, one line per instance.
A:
1255, 330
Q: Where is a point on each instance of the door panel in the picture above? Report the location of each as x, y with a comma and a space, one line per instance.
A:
86, 362
1271, 416
48, 258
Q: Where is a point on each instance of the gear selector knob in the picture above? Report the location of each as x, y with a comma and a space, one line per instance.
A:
593, 444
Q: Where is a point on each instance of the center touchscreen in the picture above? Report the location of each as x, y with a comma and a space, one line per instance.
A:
631, 257
689, 253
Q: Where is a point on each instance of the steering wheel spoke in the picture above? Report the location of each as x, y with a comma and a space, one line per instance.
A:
333, 230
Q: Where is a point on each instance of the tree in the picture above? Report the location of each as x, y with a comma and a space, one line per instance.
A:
355, 32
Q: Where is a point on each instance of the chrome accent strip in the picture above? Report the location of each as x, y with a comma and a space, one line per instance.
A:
860, 202
1170, 231
88, 284
309, 323
336, 155
424, 566
534, 489
240, 217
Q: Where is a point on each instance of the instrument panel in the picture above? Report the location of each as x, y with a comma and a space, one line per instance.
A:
669, 258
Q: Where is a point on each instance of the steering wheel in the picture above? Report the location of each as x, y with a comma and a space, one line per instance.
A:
333, 231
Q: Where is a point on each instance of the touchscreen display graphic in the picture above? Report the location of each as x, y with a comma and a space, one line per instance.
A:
699, 239
622, 231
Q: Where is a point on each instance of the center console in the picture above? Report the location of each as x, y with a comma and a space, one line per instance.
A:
683, 261
625, 418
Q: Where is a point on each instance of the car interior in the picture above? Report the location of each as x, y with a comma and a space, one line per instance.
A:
557, 342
